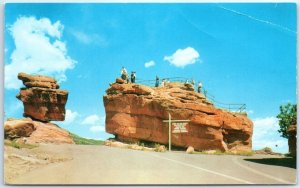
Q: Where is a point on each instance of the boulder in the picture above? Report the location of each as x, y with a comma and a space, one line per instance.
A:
189, 86
41, 98
36, 132
117, 144
161, 148
120, 81
190, 150
137, 112
129, 89
18, 128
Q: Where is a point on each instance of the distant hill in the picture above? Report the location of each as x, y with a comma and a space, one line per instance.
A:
84, 141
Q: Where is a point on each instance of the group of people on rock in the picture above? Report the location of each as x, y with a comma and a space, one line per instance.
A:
125, 77
199, 86
163, 82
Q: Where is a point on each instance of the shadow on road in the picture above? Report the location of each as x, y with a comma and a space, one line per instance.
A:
286, 162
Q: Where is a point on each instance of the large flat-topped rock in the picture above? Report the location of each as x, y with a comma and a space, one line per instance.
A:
138, 115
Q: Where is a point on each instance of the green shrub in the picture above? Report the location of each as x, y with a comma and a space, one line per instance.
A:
14, 144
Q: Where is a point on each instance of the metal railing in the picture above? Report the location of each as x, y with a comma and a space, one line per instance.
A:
232, 107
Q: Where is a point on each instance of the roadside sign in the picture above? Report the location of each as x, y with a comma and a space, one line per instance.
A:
179, 127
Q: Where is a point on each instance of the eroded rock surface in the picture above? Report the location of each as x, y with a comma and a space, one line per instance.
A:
33, 132
135, 112
41, 98
18, 128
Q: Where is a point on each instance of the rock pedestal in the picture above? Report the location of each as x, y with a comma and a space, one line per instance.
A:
136, 112
41, 98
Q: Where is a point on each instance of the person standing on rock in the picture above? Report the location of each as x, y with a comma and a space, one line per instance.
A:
193, 84
157, 81
199, 87
133, 76
163, 83
124, 75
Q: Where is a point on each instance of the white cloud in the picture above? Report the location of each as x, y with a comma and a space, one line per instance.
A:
38, 49
265, 125
183, 57
97, 128
250, 112
149, 64
70, 117
96, 123
89, 38
265, 134
82, 37
91, 120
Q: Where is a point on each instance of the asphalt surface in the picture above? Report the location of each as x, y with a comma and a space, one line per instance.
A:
108, 165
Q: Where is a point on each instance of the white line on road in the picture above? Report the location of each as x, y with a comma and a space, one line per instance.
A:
203, 169
260, 173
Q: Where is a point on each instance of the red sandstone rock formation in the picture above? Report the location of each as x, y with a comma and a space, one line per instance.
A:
33, 132
135, 112
41, 98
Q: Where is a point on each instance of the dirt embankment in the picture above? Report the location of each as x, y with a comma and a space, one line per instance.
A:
18, 162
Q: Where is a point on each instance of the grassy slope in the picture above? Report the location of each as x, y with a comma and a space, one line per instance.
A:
84, 141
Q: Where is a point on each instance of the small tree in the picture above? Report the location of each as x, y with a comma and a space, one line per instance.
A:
287, 117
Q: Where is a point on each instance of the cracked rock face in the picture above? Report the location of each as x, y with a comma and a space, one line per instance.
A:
136, 112
41, 98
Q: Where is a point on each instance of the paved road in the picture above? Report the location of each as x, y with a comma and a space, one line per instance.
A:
107, 165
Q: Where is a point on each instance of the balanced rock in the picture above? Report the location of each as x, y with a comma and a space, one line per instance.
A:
41, 98
137, 112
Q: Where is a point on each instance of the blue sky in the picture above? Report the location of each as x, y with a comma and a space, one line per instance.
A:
242, 53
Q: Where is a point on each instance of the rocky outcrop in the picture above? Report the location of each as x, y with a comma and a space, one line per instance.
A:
135, 112
18, 128
32, 132
41, 98
266, 151
292, 132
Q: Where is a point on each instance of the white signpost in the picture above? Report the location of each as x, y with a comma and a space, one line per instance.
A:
179, 127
